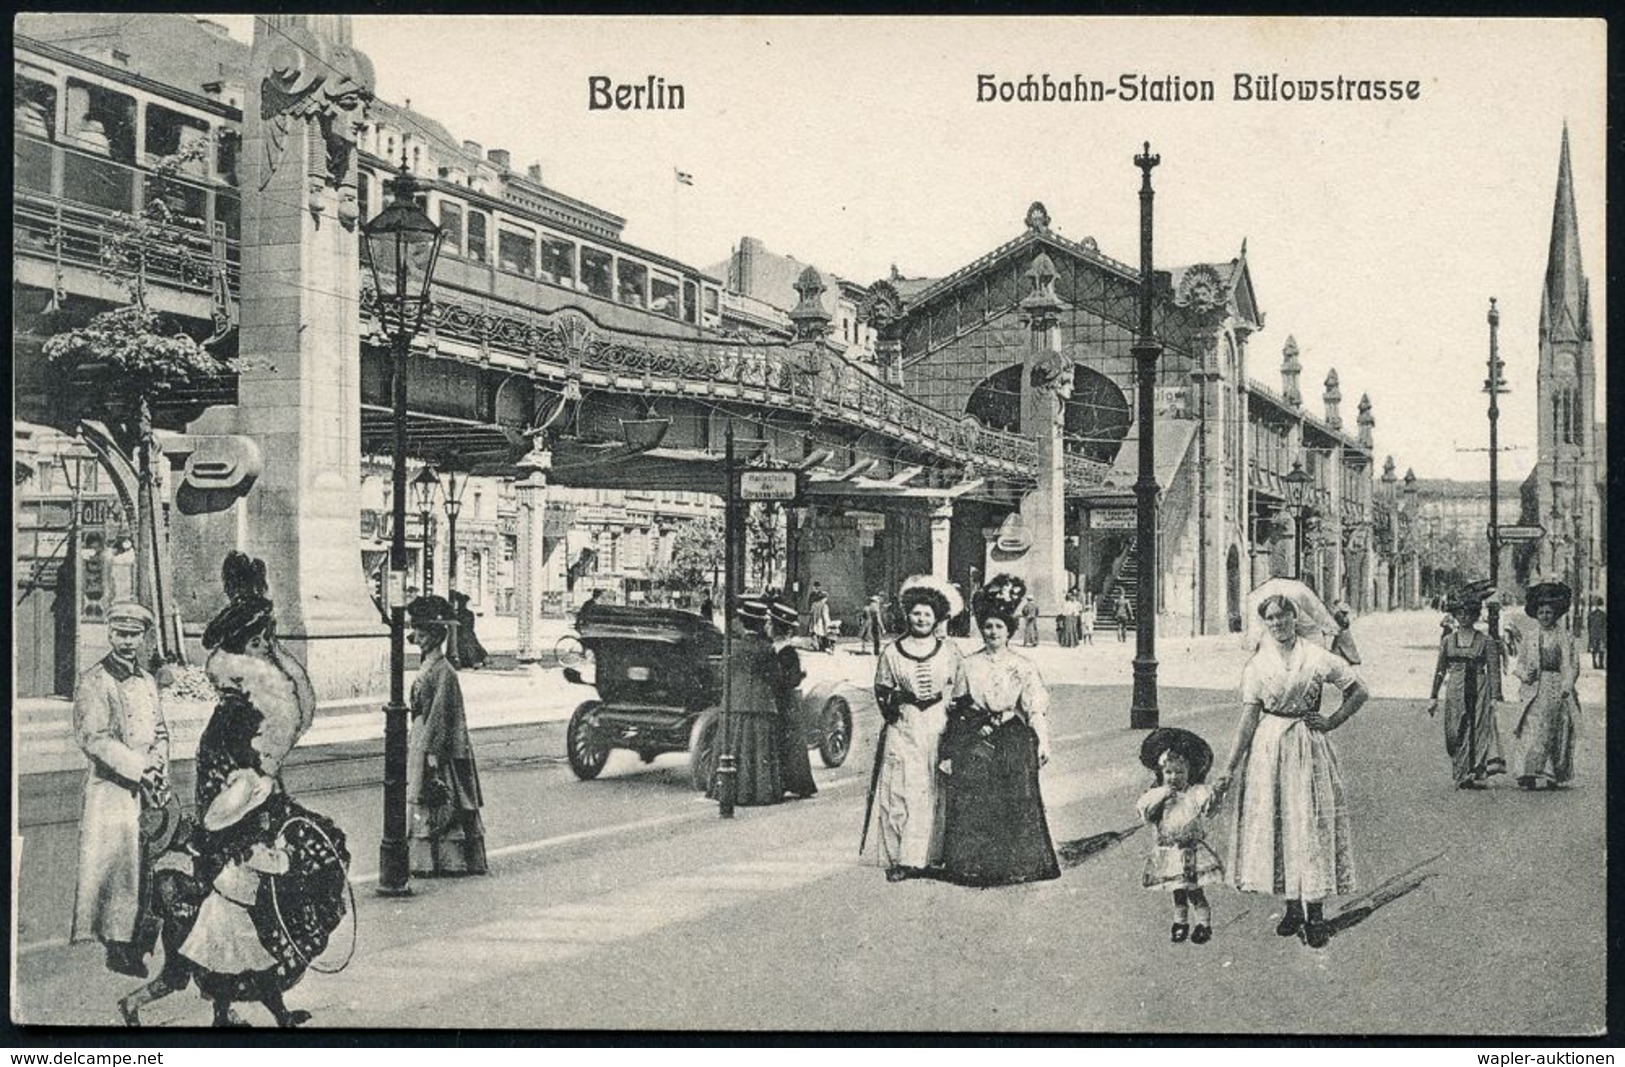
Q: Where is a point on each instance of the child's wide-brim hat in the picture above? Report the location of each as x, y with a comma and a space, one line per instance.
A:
245, 791
1197, 752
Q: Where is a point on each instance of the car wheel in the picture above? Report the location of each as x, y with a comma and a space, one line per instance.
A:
584, 745
837, 733
702, 750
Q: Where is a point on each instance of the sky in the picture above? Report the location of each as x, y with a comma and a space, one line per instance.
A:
1376, 231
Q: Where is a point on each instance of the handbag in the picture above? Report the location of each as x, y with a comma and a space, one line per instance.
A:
434, 793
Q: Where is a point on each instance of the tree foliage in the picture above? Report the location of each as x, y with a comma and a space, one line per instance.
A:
696, 555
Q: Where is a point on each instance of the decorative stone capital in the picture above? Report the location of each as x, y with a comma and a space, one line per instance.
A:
810, 318
1041, 306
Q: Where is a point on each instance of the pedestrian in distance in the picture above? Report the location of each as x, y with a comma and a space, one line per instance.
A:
1469, 671
1289, 825
1178, 805
1343, 641
914, 679
446, 835
1086, 624
118, 723
820, 623
1122, 614
1548, 668
997, 738
1597, 635
1029, 620
708, 608
872, 630
470, 653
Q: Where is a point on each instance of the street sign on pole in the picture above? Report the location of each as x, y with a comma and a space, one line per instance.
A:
768, 486
1512, 534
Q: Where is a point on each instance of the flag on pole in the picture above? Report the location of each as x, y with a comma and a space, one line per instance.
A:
683, 176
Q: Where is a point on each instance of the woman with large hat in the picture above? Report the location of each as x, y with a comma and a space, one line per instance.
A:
1469, 668
754, 677
266, 704
1548, 667
997, 737
1289, 827
443, 793
914, 680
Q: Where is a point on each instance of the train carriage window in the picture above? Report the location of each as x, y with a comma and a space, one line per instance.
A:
101, 121
663, 293
34, 112
451, 221
596, 268
631, 283
516, 252
228, 216
691, 309
559, 259
34, 117
176, 139
476, 237
713, 302
228, 148
188, 204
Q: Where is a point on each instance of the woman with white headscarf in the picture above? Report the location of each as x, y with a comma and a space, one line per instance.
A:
1289, 824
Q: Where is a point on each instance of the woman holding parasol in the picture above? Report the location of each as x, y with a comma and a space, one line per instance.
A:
1289, 824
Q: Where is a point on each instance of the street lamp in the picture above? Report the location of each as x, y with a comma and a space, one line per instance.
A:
1297, 494
1413, 578
1143, 712
423, 490
1495, 386
401, 243
453, 491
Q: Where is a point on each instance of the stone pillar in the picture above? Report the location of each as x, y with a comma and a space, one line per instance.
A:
1046, 382
941, 524
529, 561
1333, 527
299, 389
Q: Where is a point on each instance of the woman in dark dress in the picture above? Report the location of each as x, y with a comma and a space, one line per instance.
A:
442, 779
795, 768
997, 738
266, 704
753, 675
1469, 668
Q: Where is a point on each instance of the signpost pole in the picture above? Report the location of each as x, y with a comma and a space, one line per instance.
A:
727, 766
1494, 387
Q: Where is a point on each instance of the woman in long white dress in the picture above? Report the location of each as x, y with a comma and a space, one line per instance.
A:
1289, 824
914, 680
1548, 667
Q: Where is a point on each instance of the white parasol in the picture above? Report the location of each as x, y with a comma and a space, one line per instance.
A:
1313, 616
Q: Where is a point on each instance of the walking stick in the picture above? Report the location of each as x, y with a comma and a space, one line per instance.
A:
874, 783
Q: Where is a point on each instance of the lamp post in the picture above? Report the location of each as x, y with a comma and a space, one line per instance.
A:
454, 505
727, 773
1143, 714
1495, 386
423, 490
401, 244
1413, 577
1297, 494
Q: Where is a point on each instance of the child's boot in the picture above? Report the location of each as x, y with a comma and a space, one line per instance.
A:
1316, 931
1292, 921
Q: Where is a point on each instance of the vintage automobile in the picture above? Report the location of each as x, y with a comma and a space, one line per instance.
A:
658, 672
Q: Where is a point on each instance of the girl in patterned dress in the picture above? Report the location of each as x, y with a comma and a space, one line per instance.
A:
1181, 860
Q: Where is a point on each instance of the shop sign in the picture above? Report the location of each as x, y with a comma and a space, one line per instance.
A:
1112, 518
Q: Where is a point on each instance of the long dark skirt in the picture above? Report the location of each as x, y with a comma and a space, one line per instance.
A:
995, 832
756, 750
795, 766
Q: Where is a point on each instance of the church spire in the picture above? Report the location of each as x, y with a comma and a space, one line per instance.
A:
1563, 310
